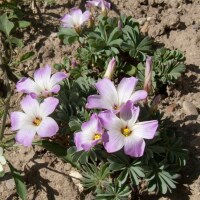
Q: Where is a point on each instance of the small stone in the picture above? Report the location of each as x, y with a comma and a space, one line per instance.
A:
141, 21
76, 176
189, 108
10, 184
171, 108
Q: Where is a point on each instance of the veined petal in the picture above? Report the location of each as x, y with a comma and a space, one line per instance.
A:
25, 136
42, 77
18, 119
135, 113
107, 91
146, 129
92, 126
47, 128
26, 85
67, 21
57, 77
110, 121
134, 146
85, 16
96, 101
126, 111
126, 88
138, 95
30, 106
48, 106
113, 141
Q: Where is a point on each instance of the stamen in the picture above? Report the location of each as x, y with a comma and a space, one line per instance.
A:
97, 136
116, 107
126, 131
37, 121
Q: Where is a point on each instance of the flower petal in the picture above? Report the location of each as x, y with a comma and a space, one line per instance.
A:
110, 121
26, 85
107, 92
76, 16
57, 77
18, 120
48, 106
135, 113
47, 128
126, 111
55, 89
134, 146
42, 77
138, 95
25, 136
146, 129
85, 16
30, 106
67, 21
126, 88
78, 141
113, 141
92, 126
96, 101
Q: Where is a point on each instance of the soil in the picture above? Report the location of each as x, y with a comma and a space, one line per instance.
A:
174, 24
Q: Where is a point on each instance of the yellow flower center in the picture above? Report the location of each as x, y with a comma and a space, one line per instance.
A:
97, 136
37, 121
126, 131
116, 107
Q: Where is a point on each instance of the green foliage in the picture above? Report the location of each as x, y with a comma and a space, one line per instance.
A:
168, 65
5, 25
130, 169
115, 191
68, 35
19, 182
73, 98
161, 179
95, 177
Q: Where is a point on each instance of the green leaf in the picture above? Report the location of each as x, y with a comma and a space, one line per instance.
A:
17, 41
19, 182
27, 56
5, 25
23, 24
58, 150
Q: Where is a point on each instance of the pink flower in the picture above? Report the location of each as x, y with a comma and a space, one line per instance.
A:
110, 69
34, 119
104, 5
90, 135
112, 98
125, 131
75, 19
43, 85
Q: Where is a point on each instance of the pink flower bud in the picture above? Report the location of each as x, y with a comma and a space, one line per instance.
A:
110, 69
148, 74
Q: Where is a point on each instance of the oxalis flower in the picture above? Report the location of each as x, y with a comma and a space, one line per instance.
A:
43, 85
2, 160
125, 131
104, 5
75, 19
90, 135
34, 119
112, 98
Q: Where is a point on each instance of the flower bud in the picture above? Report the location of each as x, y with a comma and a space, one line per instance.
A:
148, 74
110, 69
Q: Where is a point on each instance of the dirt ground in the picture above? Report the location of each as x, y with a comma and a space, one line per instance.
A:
173, 24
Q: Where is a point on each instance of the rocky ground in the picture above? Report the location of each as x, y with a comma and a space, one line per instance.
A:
174, 24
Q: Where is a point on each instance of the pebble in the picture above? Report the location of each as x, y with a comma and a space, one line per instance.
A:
10, 184
189, 108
